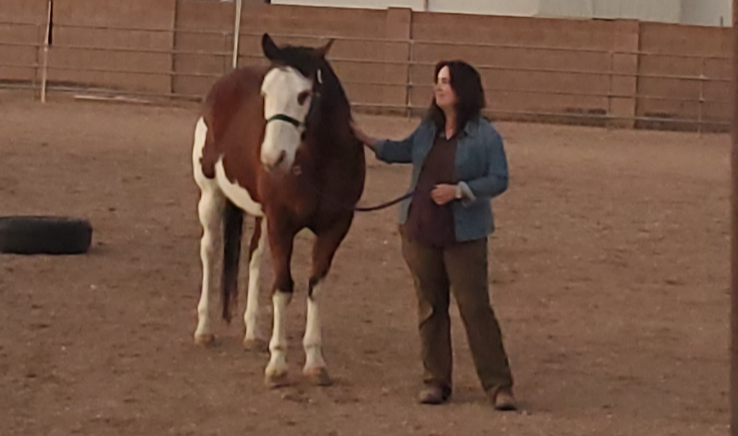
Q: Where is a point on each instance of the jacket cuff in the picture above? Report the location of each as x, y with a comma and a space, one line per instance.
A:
379, 148
467, 196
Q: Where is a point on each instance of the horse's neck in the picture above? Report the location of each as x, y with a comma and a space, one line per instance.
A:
333, 125
330, 143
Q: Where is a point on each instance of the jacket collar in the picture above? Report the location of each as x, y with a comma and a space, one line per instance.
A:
471, 128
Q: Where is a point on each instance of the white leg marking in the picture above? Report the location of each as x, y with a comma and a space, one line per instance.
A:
210, 208
201, 131
312, 341
251, 316
238, 195
278, 344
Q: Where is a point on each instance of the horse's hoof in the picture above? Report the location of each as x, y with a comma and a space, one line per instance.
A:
274, 381
318, 376
256, 345
204, 340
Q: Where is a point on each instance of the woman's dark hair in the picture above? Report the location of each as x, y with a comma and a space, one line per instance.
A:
466, 83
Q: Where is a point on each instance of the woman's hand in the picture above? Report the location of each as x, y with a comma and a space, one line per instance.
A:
443, 194
363, 137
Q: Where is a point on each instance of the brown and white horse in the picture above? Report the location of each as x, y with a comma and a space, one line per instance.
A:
276, 143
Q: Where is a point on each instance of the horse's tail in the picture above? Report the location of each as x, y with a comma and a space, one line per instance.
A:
232, 231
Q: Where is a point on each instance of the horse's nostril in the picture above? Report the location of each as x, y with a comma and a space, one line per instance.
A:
271, 166
280, 159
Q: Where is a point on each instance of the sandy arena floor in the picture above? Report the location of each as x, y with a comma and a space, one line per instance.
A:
610, 276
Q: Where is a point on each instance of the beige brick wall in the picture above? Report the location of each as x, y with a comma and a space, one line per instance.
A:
528, 64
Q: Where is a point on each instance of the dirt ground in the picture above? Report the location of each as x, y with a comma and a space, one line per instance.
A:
610, 276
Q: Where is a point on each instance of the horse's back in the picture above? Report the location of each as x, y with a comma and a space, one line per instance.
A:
231, 95
233, 112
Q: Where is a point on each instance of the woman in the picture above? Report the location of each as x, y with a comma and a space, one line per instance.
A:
459, 165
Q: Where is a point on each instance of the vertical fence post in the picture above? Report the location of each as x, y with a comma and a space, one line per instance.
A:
700, 115
734, 238
39, 59
609, 123
173, 63
47, 38
236, 33
223, 57
409, 79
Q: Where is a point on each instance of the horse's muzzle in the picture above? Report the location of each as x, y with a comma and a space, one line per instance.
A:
276, 164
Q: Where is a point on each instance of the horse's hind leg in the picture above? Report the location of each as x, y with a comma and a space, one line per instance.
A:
210, 209
254, 341
324, 249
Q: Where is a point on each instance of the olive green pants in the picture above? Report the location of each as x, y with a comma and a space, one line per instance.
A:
463, 269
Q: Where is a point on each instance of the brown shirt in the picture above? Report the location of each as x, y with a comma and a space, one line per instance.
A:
427, 222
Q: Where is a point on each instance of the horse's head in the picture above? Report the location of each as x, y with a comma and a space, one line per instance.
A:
291, 91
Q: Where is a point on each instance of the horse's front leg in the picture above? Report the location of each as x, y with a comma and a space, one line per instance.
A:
281, 240
324, 249
254, 340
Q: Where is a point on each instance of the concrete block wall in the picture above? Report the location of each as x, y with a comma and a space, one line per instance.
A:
22, 28
385, 58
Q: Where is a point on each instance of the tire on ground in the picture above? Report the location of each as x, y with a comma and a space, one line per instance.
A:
44, 235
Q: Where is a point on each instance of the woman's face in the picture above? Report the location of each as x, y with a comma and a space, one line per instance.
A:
445, 95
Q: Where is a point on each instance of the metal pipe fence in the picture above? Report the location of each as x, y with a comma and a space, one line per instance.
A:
227, 56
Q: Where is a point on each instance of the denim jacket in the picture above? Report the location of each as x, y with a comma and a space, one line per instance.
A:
480, 168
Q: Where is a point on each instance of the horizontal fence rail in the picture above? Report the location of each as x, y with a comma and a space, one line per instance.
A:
58, 59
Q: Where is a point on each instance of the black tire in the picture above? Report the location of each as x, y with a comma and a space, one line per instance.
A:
44, 235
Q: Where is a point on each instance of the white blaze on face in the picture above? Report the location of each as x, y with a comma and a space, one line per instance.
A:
287, 94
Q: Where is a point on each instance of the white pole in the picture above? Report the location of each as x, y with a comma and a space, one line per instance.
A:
44, 71
236, 33
734, 238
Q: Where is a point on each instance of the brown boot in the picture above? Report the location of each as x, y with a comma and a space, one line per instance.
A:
433, 394
503, 399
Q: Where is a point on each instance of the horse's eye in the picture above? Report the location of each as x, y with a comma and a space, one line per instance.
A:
302, 97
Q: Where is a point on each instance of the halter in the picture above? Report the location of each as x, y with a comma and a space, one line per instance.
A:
313, 103
287, 119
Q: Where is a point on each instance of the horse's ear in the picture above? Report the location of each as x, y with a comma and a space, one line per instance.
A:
323, 51
270, 49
